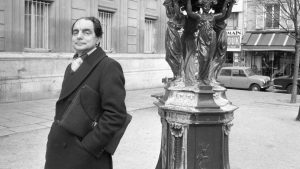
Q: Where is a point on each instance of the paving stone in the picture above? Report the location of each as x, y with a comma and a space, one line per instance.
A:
3, 119
47, 123
30, 120
47, 117
30, 113
27, 128
9, 110
41, 110
10, 124
47, 112
11, 115
4, 132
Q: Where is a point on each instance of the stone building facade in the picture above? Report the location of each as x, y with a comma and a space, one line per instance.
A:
35, 43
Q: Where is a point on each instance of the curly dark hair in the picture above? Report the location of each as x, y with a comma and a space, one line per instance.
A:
97, 25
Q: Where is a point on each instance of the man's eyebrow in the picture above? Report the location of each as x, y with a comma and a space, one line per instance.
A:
86, 30
82, 29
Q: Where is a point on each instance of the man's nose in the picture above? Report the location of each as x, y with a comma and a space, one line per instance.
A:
79, 35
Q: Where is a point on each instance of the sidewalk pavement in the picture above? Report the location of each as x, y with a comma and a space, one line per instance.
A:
265, 134
38, 114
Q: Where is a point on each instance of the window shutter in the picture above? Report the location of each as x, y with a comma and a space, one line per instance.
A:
260, 18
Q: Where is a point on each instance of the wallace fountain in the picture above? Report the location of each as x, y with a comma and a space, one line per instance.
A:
195, 113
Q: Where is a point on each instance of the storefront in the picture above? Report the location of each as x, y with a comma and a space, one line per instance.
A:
269, 53
233, 55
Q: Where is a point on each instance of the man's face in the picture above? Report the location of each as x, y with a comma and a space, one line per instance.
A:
83, 36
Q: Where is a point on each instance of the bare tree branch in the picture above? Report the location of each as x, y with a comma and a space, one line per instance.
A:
289, 12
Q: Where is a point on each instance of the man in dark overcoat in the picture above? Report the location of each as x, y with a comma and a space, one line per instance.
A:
91, 67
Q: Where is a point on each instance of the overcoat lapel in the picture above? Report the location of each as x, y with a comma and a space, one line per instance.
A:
73, 80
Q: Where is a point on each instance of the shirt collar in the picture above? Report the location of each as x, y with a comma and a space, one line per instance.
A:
85, 55
91, 51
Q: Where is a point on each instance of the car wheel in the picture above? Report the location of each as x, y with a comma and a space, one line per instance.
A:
255, 87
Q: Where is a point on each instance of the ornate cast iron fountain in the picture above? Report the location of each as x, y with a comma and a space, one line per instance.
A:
195, 113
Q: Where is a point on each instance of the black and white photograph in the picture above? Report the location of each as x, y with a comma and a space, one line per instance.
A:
149, 84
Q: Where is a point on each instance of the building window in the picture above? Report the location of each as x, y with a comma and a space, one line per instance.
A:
232, 21
36, 24
106, 23
272, 16
149, 36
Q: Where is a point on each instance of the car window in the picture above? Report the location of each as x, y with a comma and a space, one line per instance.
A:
225, 72
235, 72
239, 73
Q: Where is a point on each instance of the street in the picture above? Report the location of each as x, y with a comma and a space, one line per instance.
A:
265, 134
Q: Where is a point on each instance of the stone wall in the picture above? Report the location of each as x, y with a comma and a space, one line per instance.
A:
31, 76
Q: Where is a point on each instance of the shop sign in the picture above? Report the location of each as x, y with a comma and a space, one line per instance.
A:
234, 40
238, 6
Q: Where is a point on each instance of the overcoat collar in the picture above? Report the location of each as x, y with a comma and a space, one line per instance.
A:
73, 80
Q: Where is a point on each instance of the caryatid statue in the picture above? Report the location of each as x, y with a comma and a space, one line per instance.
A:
221, 47
203, 39
206, 35
174, 55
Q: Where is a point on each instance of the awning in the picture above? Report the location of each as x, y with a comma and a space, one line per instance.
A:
268, 41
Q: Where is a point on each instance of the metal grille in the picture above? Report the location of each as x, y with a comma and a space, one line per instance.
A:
106, 22
36, 24
149, 36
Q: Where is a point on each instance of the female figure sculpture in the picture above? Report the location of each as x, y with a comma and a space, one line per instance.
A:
189, 41
173, 45
206, 36
221, 46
